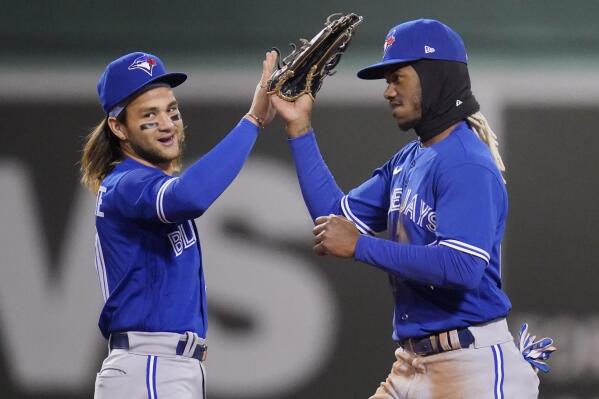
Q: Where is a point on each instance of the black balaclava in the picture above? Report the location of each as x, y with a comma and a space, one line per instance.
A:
446, 96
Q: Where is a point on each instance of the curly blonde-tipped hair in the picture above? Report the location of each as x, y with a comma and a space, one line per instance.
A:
481, 127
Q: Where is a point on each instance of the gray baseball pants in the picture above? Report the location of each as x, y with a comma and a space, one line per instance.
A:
151, 369
492, 367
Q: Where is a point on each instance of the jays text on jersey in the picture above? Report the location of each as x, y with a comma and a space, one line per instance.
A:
444, 208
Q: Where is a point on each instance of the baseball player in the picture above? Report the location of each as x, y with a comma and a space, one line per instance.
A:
147, 249
442, 200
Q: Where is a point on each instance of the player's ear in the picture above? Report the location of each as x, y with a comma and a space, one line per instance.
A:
117, 128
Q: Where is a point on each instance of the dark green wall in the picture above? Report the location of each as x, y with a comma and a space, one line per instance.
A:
234, 28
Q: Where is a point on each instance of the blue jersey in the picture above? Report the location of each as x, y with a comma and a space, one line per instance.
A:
150, 269
148, 255
444, 209
450, 194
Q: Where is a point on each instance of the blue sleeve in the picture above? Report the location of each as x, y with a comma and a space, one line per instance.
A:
437, 265
470, 207
366, 206
471, 204
321, 193
157, 197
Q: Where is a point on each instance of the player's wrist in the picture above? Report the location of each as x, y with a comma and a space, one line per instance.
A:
298, 128
256, 120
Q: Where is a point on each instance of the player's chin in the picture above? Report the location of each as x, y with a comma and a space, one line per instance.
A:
406, 125
405, 120
400, 116
170, 153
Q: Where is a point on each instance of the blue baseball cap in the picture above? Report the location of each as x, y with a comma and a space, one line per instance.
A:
129, 75
416, 40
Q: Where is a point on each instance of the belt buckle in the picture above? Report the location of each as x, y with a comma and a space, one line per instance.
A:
204, 352
445, 341
409, 345
426, 347
415, 346
200, 352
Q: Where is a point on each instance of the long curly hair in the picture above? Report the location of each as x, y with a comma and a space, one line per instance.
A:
101, 153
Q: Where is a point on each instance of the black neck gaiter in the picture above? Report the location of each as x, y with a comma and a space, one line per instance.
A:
446, 96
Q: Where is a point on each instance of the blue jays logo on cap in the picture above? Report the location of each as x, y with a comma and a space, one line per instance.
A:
389, 41
416, 40
121, 81
145, 63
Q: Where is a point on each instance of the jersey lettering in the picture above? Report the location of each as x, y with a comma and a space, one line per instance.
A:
411, 208
424, 210
181, 239
432, 221
101, 192
395, 199
408, 206
404, 203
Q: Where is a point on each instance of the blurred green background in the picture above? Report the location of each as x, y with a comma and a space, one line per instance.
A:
548, 29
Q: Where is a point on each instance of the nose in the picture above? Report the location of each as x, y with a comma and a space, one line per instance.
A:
165, 122
390, 92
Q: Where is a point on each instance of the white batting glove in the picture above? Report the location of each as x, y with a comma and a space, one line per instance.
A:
535, 352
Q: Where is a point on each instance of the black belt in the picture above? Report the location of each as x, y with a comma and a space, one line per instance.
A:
439, 342
120, 340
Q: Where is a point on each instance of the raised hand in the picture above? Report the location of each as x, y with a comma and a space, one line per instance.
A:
296, 114
261, 111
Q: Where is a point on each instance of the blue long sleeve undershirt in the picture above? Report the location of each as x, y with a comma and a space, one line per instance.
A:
321, 193
436, 265
205, 180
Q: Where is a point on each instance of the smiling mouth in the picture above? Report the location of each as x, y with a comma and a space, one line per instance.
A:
169, 140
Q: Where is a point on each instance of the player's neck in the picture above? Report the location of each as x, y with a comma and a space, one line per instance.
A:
440, 136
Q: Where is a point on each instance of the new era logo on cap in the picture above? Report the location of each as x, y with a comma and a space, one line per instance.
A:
458, 103
429, 50
145, 63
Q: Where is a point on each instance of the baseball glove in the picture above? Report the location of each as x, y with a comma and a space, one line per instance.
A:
305, 68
